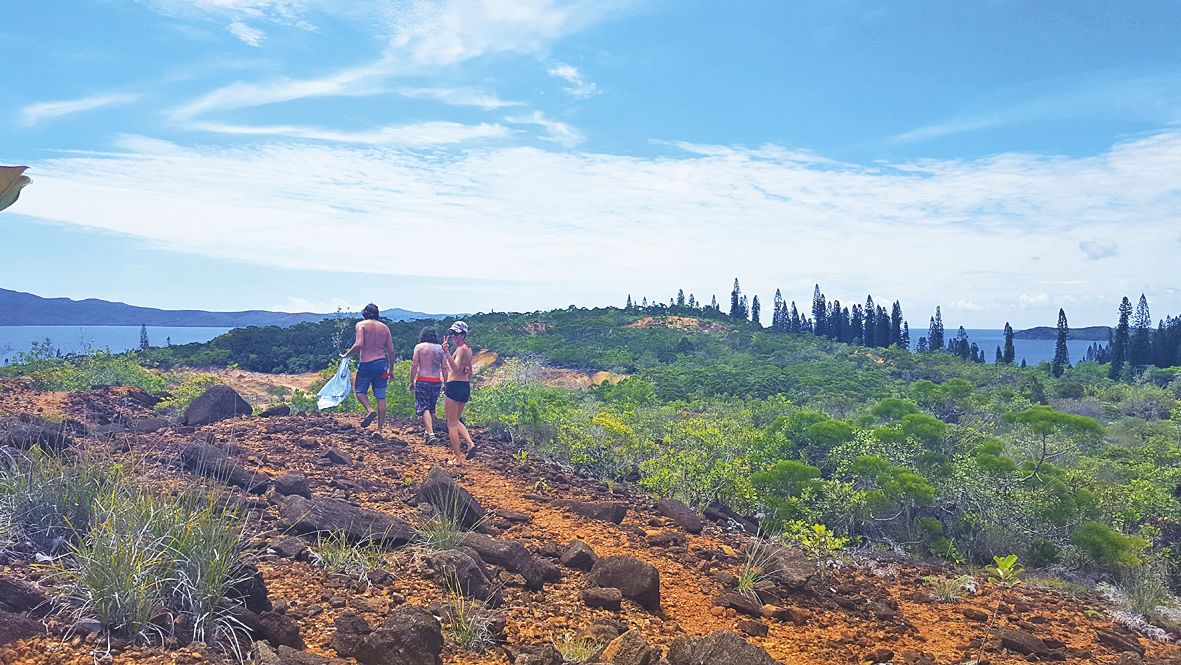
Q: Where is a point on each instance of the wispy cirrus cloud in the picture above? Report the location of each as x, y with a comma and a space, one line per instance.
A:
577, 85
44, 111
555, 130
412, 134
460, 96
1152, 96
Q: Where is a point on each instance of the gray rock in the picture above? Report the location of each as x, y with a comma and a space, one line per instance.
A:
637, 580
206, 460
410, 636
578, 555
629, 648
603, 598
456, 567
605, 511
216, 403
16, 627
718, 648
291, 548
20, 596
280, 410
311, 516
293, 484
508, 554
280, 630
440, 490
687, 518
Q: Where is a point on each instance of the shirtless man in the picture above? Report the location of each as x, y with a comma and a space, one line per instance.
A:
458, 389
426, 378
376, 358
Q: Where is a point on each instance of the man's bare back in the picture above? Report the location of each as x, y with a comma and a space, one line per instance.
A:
374, 337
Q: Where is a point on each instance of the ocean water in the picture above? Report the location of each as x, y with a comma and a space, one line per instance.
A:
1032, 350
78, 339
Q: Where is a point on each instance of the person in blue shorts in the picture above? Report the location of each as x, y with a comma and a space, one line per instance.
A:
376, 347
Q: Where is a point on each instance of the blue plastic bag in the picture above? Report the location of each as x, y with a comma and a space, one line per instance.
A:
337, 389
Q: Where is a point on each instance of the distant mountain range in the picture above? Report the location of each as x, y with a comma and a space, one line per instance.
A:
1088, 334
26, 309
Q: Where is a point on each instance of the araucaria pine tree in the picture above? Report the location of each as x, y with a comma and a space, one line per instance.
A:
1139, 352
680, 297
896, 323
882, 334
905, 341
1009, 353
819, 312
143, 337
714, 303
736, 301
1061, 353
754, 310
1119, 345
871, 322
777, 313
629, 301
793, 323
935, 334
856, 325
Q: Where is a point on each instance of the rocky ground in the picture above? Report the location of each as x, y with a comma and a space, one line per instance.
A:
553, 555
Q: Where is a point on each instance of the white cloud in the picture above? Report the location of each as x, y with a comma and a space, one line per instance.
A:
460, 97
248, 35
918, 230
578, 87
295, 305
1098, 249
966, 305
414, 134
555, 131
36, 113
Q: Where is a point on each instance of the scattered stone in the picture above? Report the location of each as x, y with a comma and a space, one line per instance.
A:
1129, 658
16, 627
291, 548
262, 653
289, 656
310, 516
579, 556
664, 538
150, 425
975, 614
546, 655
753, 628
280, 410
206, 460
629, 648
87, 626
410, 636
336, 457
453, 566
718, 648
790, 567
508, 554
252, 589
1118, 643
605, 598
512, 516
20, 596
741, 603
685, 517
1015, 639
216, 403
280, 630
293, 484
440, 490
605, 511
350, 630
880, 655
637, 580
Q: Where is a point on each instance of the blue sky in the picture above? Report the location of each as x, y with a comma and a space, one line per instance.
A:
1001, 159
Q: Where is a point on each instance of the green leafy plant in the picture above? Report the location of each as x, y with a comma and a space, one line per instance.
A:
1005, 573
819, 543
469, 622
191, 387
335, 552
757, 567
521, 457
576, 649
949, 589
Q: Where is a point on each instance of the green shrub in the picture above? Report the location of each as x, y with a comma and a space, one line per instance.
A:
1107, 548
335, 552
1042, 553
469, 623
78, 373
52, 499
190, 388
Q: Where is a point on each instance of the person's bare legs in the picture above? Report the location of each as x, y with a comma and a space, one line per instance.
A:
428, 422
463, 428
381, 407
363, 398
452, 409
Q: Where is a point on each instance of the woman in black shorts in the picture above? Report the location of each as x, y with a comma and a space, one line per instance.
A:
457, 390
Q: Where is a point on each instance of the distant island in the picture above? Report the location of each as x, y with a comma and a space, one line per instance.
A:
26, 309
1088, 334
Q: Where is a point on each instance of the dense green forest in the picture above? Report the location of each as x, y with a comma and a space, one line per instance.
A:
930, 452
